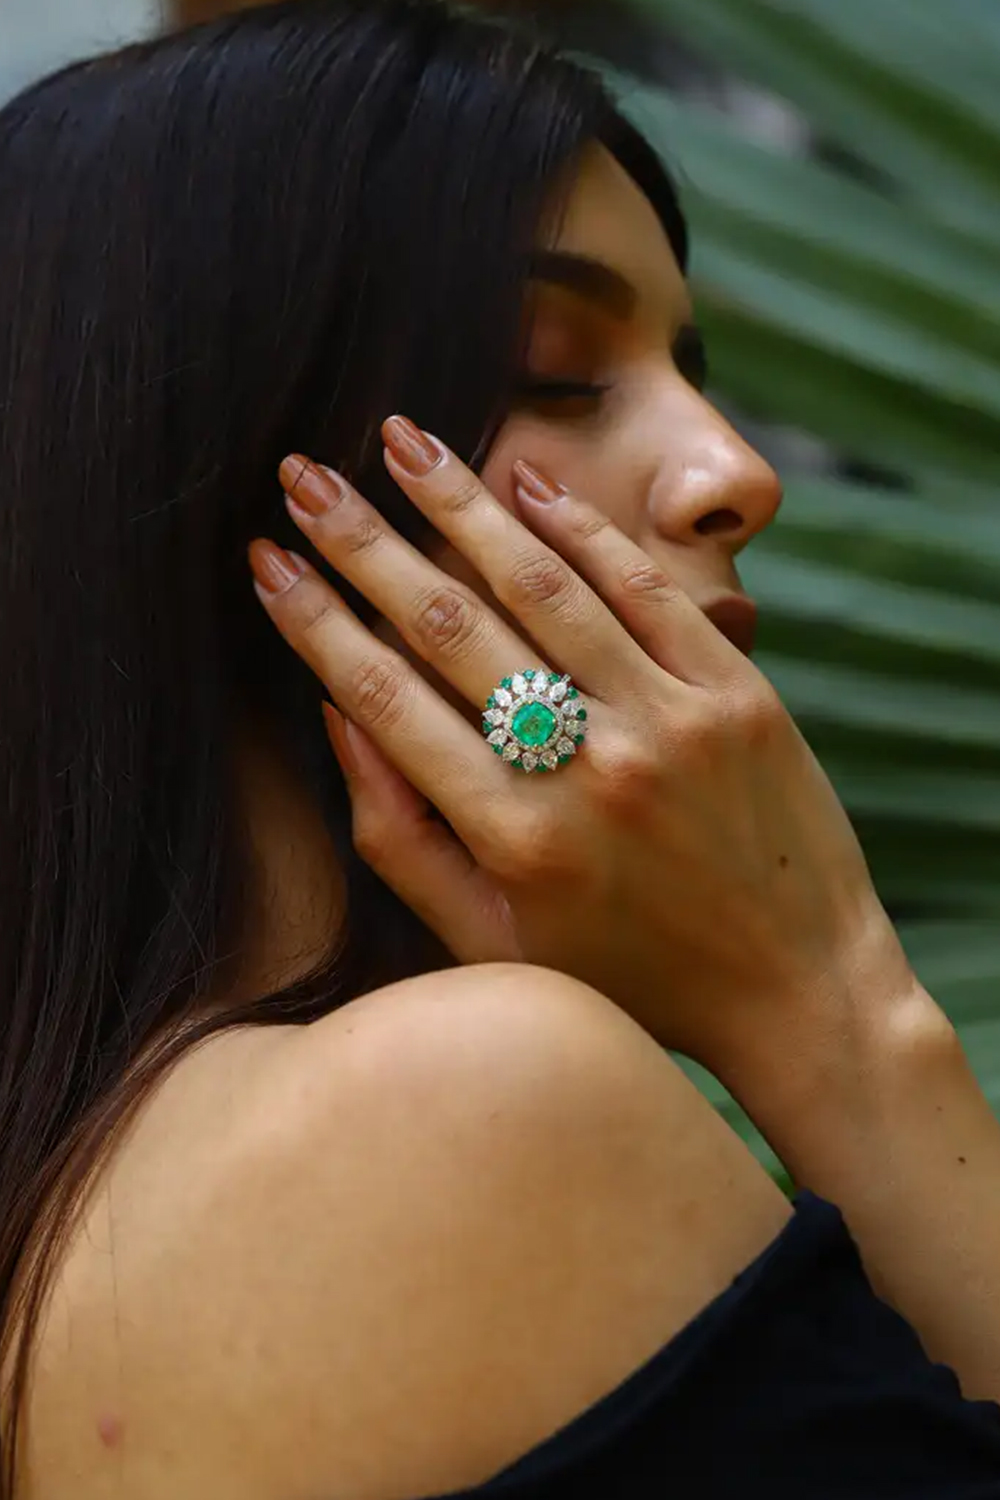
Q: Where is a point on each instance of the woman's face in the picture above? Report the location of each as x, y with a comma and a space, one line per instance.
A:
612, 406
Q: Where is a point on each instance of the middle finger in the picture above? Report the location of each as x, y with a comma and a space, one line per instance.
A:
567, 618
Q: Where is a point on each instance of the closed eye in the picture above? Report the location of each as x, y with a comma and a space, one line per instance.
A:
562, 400
560, 390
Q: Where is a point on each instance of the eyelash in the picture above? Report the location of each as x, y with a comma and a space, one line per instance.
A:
562, 390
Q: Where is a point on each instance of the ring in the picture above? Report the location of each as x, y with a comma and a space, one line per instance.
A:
535, 721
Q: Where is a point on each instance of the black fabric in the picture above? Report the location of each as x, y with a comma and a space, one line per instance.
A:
797, 1381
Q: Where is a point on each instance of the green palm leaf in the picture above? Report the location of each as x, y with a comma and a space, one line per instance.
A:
863, 304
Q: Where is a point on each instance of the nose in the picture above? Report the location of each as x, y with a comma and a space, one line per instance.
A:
712, 483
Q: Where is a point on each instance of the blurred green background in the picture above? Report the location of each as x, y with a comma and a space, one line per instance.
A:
847, 273
840, 163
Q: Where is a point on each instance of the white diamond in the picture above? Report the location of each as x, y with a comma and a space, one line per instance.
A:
529, 760
558, 691
504, 700
511, 751
494, 716
498, 737
565, 747
550, 759
519, 687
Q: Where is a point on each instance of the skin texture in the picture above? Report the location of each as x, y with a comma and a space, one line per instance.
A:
383, 1255
653, 455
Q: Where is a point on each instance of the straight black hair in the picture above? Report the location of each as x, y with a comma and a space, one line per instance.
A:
258, 236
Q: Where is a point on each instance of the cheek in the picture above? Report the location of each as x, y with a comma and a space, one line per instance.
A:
515, 440
594, 462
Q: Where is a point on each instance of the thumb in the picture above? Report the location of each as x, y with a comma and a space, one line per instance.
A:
419, 857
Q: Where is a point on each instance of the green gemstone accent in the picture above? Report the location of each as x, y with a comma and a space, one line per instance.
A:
554, 678
564, 760
540, 769
529, 676
572, 693
497, 749
491, 702
508, 682
534, 725
581, 713
578, 739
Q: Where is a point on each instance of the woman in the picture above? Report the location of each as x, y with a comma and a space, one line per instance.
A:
340, 1153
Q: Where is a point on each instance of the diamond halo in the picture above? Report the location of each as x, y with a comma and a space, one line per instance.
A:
535, 720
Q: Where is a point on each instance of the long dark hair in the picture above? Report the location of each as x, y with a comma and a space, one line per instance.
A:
260, 235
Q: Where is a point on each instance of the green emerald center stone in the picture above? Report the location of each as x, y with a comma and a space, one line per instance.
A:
533, 725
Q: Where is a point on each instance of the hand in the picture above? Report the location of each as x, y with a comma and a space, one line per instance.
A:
692, 862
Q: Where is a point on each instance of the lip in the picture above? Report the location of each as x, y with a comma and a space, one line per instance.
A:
735, 617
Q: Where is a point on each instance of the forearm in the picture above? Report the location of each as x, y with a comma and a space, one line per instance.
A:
885, 1118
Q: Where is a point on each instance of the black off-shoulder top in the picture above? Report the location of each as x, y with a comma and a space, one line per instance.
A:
796, 1383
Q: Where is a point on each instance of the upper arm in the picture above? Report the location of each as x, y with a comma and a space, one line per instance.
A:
505, 1198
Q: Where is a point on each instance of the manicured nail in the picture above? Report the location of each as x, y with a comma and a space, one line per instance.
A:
412, 449
535, 486
337, 728
309, 486
274, 568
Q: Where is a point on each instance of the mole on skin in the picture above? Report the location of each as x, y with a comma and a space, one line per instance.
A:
110, 1431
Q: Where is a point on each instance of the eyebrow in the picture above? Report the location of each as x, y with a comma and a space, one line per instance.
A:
599, 283
591, 278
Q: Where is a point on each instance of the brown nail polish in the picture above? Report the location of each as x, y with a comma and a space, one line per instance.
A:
535, 485
274, 568
411, 448
312, 488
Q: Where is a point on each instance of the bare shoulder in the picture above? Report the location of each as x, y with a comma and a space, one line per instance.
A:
391, 1251
505, 1198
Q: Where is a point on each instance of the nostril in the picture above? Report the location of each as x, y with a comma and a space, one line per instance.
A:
719, 523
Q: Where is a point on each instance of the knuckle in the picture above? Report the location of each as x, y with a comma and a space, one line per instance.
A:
364, 533
586, 523
539, 579
627, 772
645, 580
522, 845
378, 692
757, 712
461, 496
318, 614
717, 720
446, 620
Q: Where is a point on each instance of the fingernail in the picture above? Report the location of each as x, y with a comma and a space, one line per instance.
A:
313, 488
337, 727
412, 449
535, 486
274, 568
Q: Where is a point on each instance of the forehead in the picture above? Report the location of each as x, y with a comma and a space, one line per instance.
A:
608, 218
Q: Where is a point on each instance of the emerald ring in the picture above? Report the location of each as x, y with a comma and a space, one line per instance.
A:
535, 720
